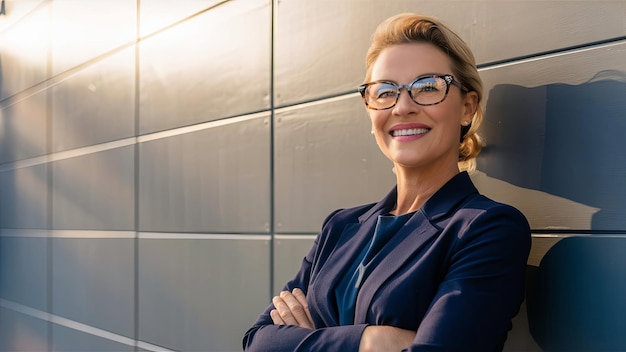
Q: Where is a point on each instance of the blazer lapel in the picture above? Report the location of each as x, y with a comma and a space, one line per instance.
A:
346, 250
411, 238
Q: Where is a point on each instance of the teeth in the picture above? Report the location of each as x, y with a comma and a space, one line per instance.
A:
409, 132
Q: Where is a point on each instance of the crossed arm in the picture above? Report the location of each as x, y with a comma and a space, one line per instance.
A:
291, 308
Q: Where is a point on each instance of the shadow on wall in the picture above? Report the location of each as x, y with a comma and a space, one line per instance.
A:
576, 299
568, 141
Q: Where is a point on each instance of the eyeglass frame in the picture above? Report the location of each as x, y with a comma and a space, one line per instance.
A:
449, 79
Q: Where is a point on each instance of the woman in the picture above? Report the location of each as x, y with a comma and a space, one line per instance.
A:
434, 266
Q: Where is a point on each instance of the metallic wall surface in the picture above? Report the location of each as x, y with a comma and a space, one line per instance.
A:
164, 170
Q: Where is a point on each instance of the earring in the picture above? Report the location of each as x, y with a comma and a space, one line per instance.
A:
372, 132
465, 123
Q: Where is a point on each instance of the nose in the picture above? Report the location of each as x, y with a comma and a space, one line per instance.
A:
405, 104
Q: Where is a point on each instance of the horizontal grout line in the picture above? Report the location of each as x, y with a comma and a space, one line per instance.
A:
572, 232
72, 324
181, 21
151, 347
16, 307
295, 237
483, 66
34, 233
201, 126
104, 234
40, 233
550, 53
91, 234
318, 101
534, 233
60, 77
67, 154
200, 236
30, 12
39, 160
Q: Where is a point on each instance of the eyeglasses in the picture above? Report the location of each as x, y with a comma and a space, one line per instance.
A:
424, 90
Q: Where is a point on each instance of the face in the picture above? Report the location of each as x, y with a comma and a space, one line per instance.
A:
411, 135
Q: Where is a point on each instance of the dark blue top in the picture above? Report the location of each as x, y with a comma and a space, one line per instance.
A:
348, 288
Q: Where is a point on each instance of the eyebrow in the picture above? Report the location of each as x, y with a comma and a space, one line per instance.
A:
414, 78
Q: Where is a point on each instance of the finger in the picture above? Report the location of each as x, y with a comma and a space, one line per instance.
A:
297, 310
276, 317
283, 310
301, 297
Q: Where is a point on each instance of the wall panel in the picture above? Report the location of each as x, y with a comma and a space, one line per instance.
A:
22, 333
201, 294
24, 193
289, 251
156, 15
23, 126
95, 105
94, 191
211, 180
194, 72
93, 283
23, 270
18, 10
82, 30
67, 339
24, 47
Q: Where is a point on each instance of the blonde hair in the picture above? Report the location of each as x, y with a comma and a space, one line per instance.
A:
411, 28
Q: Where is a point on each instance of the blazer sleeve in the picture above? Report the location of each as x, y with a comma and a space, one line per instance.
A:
265, 336
483, 286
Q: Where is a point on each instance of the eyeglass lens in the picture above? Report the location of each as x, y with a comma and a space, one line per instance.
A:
425, 91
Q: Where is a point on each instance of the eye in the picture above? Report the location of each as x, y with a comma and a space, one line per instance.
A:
426, 85
383, 91
429, 87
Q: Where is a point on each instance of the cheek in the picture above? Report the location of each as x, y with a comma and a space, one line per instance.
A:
450, 115
378, 119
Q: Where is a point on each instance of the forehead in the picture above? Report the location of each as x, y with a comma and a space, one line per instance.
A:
401, 63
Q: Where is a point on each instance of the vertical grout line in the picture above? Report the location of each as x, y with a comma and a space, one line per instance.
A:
136, 179
49, 181
272, 215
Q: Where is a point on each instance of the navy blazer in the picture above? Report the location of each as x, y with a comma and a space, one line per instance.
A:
454, 273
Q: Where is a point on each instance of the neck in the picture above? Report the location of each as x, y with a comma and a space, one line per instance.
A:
415, 187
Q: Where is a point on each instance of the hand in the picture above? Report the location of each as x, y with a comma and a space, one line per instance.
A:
385, 338
292, 309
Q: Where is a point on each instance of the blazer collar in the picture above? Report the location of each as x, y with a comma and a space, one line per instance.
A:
449, 197
446, 199
418, 231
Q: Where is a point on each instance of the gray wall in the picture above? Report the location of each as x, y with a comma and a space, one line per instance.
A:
164, 165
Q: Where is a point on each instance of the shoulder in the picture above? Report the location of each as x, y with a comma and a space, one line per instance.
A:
483, 219
480, 207
347, 215
338, 221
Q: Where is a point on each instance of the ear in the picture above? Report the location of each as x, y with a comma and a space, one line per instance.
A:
470, 105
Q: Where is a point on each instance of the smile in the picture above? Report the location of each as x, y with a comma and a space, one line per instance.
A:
409, 132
